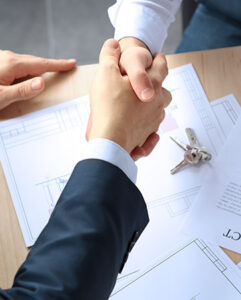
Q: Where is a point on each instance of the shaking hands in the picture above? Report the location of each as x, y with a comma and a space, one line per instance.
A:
117, 112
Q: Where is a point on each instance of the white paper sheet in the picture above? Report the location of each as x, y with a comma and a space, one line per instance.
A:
189, 108
226, 111
216, 214
239, 266
194, 271
169, 197
38, 153
52, 134
164, 227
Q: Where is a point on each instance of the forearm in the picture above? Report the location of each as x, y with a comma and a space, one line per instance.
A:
147, 20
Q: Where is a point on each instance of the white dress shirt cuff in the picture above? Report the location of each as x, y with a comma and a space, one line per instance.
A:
113, 153
146, 20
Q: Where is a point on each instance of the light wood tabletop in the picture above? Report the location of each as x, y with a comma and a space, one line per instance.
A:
219, 72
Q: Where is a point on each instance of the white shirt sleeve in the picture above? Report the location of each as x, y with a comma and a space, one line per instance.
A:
113, 153
147, 20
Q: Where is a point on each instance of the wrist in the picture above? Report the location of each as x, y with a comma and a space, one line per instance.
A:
128, 42
115, 135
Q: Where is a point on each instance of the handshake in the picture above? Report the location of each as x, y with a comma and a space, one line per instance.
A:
127, 98
119, 112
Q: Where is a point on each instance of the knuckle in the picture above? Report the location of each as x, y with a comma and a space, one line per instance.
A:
163, 69
156, 81
44, 61
162, 59
139, 74
22, 91
110, 65
167, 96
162, 62
9, 56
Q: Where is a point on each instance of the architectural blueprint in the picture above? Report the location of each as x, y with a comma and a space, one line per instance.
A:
226, 111
194, 271
216, 214
167, 214
47, 145
38, 153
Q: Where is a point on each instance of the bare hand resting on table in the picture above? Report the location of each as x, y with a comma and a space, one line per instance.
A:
19, 68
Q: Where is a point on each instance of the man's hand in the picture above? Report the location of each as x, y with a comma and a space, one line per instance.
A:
135, 60
116, 112
19, 68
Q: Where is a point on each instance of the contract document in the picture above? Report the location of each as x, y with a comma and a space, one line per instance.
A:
169, 197
39, 151
164, 229
216, 214
196, 271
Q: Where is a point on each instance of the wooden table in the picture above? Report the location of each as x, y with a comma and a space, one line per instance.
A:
219, 72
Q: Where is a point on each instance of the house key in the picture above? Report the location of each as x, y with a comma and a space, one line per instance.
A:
193, 154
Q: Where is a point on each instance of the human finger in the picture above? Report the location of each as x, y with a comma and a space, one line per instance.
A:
146, 148
135, 67
25, 65
21, 91
166, 96
110, 53
158, 71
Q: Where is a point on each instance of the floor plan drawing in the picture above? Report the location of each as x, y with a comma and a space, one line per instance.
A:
196, 269
46, 144
52, 189
168, 212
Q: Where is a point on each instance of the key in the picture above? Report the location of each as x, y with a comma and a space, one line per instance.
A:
205, 155
192, 138
193, 153
191, 157
179, 143
182, 164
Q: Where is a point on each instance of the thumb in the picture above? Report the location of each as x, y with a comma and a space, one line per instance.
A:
110, 52
136, 68
24, 90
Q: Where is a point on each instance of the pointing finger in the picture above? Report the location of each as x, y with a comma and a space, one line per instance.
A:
26, 65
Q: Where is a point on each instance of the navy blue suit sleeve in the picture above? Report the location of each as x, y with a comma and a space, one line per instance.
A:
83, 247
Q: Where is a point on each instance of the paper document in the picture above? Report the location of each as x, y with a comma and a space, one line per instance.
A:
164, 228
169, 197
227, 111
216, 214
239, 266
195, 271
46, 145
38, 153
189, 108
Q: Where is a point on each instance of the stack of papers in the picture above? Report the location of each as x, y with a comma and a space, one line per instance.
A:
206, 198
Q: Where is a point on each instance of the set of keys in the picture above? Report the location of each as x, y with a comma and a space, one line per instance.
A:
193, 152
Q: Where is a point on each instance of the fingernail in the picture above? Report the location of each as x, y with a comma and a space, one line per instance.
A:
72, 60
36, 84
111, 44
147, 94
